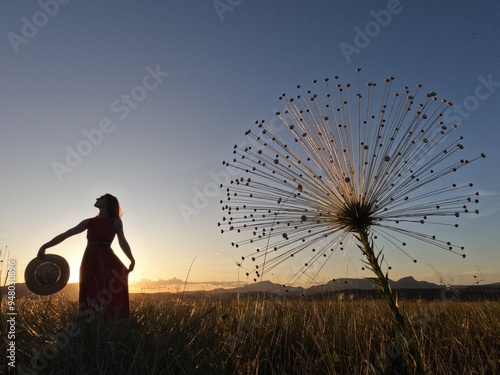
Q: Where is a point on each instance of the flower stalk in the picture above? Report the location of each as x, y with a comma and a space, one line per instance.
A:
382, 281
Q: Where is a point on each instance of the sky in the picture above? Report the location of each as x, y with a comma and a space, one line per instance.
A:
144, 100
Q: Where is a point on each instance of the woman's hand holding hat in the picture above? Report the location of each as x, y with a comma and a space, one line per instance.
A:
41, 252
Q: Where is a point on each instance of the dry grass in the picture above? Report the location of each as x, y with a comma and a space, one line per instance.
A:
216, 335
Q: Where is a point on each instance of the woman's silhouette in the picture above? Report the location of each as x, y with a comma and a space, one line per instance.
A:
103, 277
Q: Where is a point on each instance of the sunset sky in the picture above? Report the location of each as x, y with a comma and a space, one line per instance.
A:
145, 99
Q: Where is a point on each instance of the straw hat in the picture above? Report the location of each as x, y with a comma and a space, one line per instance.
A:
47, 275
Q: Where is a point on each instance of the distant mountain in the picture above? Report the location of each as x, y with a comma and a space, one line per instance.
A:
259, 287
410, 283
337, 285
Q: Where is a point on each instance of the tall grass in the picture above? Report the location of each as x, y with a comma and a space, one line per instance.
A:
218, 335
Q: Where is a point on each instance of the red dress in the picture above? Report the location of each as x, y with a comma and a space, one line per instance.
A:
103, 277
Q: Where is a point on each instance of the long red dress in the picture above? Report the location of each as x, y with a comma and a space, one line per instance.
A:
103, 277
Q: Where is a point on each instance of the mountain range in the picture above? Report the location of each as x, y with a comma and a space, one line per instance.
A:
361, 288
365, 288
335, 285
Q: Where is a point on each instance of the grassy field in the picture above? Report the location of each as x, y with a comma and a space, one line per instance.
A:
171, 334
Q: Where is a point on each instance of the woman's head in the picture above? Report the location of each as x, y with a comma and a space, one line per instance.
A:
110, 204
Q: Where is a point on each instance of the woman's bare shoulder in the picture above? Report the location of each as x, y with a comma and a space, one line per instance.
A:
118, 222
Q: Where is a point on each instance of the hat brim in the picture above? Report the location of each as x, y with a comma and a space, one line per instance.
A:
46, 289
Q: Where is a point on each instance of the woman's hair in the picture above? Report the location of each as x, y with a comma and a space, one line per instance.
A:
114, 209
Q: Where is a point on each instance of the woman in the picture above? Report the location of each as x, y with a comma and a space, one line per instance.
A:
103, 277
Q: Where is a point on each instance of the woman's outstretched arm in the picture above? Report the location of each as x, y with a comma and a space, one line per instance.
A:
118, 227
61, 237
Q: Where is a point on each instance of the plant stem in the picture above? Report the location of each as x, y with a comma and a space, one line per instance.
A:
382, 280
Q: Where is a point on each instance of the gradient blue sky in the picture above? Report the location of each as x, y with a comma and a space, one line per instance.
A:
222, 66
